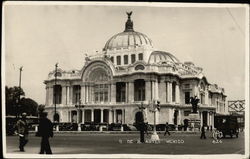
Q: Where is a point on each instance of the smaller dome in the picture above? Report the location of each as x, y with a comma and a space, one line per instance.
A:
161, 56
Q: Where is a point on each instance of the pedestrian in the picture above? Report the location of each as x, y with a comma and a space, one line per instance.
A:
203, 135
45, 130
166, 129
22, 131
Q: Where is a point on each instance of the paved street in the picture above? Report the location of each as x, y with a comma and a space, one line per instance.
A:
96, 143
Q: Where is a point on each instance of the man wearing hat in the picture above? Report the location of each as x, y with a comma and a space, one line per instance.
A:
45, 130
22, 131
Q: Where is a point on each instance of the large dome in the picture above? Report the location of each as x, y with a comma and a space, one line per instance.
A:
128, 38
162, 56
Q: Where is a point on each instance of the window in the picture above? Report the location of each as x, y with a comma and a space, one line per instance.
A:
125, 59
112, 59
118, 60
76, 94
139, 90
173, 91
120, 92
57, 98
141, 56
187, 97
132, 58
101, 93
202, 100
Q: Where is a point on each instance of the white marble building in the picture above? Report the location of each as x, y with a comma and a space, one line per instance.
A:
130, 71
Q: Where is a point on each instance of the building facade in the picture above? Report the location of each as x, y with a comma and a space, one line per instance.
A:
127, 73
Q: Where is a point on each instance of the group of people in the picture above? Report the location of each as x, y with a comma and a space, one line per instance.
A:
45, 131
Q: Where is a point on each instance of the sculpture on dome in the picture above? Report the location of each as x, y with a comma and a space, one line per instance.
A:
129, 23
129, 14
194, 101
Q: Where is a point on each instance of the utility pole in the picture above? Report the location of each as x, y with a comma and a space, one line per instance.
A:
19, 93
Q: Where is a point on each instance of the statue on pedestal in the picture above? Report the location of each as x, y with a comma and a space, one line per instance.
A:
194, 101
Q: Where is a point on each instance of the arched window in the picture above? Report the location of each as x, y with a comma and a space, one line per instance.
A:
57, 97
139, 67
139, 90
173, 91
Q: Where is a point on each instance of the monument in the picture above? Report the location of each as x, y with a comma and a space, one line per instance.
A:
194, 118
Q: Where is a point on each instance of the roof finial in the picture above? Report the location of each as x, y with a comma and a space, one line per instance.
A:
129, 23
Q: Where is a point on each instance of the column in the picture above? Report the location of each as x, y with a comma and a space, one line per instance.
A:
92, 115
177, 95
208, 119
162, 91
201, 118
110, 116
170, 92
83, 114
153, 89
131, 91
101, 115
113, 92
148, 90
64, 95
83, 94
70, 94
156, 88
179, 117
77, 116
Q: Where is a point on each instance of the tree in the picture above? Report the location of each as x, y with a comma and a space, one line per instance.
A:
28, 106
16, 107
12, 98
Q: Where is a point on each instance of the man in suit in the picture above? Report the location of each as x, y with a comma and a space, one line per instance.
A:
22, 131
45, 130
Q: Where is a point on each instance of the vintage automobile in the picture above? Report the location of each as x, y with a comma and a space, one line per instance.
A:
227, 124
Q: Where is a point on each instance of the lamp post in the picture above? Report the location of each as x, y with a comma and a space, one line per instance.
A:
56, 65
155, 107
78, 106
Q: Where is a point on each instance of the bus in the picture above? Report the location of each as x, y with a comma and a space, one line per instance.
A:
227, 124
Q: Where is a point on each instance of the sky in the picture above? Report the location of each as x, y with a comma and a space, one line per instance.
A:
39, 36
